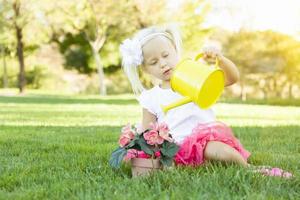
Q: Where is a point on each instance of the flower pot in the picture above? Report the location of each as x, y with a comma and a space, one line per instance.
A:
143, 166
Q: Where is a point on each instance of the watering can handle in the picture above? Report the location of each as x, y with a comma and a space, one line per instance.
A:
200, 55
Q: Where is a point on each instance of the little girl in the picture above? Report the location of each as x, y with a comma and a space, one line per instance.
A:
156, 50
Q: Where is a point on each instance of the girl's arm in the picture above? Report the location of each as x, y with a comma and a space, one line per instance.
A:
147, 119
232, 74
231, 71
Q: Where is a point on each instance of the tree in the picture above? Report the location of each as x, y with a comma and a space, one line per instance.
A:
4, 76
102, 24
106, 19
190, 15
16, 15
272, 57
17, 20
3, 48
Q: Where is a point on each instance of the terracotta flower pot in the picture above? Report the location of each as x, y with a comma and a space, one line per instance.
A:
143, 166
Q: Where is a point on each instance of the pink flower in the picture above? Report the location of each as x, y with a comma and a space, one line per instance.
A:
127, 130
157, 154
164, 132
154, 126
126, 136
153, 138
166, 136
163, 127
123, 141
133, 153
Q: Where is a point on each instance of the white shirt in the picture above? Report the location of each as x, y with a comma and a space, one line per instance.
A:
182, 119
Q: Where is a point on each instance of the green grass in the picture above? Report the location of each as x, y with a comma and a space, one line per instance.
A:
269, 101
58, 146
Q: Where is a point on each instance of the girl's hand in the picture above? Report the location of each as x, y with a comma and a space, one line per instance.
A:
210, 53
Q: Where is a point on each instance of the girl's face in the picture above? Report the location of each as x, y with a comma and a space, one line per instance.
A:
160, 57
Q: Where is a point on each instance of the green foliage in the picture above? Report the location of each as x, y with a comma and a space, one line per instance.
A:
190, 17
269, 62
169, 149
166, 161
263, 51
118, 83
36, 76
77, 53
143, 146
117, 157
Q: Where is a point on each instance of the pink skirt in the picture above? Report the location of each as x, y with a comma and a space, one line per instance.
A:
191, 151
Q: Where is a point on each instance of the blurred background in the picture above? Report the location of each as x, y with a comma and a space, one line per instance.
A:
72, 47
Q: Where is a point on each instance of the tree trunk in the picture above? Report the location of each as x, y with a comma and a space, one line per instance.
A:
242, 88
277, 88
290, 90
277, 95
265, 92
20, 49
102, 86
4, 78
243, 93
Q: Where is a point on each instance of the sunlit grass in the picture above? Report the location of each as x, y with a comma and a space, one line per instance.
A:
57, 147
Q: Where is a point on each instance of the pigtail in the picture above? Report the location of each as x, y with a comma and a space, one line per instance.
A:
132, 57
133, 76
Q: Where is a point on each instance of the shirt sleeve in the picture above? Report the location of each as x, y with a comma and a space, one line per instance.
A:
146, 100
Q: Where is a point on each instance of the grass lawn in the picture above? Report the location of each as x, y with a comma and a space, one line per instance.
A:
57, 147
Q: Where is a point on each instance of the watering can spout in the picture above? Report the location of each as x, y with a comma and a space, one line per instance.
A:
175, 104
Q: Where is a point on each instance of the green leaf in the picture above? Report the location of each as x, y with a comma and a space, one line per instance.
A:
135, 146
132, 143
166, 161
117, 157
144, 146
169, 149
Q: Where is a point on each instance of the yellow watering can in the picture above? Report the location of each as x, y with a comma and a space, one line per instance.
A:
197, 82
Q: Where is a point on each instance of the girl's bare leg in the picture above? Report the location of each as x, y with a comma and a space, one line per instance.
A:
220, 151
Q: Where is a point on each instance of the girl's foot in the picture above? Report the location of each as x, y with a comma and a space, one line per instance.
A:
269, 171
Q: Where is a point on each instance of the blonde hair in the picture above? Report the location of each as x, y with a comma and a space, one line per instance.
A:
131, 51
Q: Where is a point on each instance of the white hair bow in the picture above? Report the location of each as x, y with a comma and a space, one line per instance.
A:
131, 51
